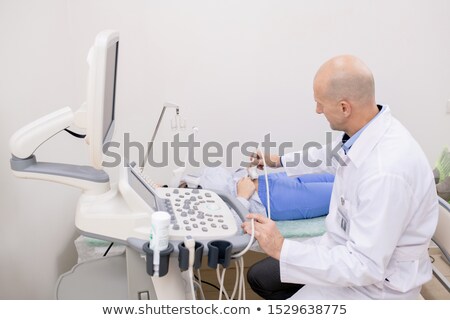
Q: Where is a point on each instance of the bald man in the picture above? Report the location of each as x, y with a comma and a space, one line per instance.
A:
383, 209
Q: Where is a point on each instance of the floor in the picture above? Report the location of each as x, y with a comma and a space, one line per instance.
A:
210, 276
432, 290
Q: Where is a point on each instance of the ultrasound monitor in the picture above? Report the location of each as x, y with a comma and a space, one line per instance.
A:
101, 94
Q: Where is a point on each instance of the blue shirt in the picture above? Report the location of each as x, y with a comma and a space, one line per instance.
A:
347, 142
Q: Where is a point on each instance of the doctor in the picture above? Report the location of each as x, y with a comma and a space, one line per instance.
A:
383, 208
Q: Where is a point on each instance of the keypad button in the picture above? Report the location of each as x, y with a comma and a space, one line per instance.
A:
176, 191
208, 195
213, 207
225, 227
205, 229
188, 228
213, 225
176, 227
185, 222
195, 225
184, 214
195, 191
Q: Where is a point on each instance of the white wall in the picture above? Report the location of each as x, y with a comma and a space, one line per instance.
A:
240, 69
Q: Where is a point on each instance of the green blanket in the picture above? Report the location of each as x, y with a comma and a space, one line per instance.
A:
304, 228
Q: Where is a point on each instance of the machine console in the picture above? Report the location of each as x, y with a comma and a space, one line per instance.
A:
199, 213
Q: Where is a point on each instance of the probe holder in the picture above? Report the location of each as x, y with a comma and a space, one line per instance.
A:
219, 252
164, 256
183, 256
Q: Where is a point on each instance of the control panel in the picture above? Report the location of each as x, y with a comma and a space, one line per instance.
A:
199, 213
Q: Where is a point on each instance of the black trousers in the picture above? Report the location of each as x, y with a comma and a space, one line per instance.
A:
264, 279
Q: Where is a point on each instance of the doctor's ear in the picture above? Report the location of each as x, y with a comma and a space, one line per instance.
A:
346, 108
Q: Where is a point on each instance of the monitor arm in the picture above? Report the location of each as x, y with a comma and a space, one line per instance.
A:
28, 139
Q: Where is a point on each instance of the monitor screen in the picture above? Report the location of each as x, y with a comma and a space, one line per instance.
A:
110, 88
141, 188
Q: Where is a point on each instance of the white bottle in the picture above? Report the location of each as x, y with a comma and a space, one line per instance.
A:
159, 237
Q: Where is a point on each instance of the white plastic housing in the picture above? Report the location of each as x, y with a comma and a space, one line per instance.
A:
88, 187
27, 139
97, 95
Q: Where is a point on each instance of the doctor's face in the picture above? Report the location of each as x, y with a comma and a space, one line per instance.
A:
329, 108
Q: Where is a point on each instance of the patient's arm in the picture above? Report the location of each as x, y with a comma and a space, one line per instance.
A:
246, 187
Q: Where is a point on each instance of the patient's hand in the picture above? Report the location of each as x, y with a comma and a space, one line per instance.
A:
245, 188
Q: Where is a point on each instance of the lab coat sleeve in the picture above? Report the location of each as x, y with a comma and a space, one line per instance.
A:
314, 159
379, 217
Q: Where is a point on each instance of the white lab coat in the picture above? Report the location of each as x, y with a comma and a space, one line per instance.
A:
382, 215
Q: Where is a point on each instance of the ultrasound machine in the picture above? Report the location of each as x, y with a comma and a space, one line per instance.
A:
166, 231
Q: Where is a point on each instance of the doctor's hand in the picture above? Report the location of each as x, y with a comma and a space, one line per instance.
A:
267, 234
272, 160
245, 188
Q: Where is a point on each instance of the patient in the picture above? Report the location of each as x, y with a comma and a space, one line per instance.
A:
303, 197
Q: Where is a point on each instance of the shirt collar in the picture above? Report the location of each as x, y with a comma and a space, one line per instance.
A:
370, 138
347, 141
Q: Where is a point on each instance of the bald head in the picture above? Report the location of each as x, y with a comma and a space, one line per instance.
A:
346, 78
344, 91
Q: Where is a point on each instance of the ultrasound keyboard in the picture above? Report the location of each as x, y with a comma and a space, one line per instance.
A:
196, 212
